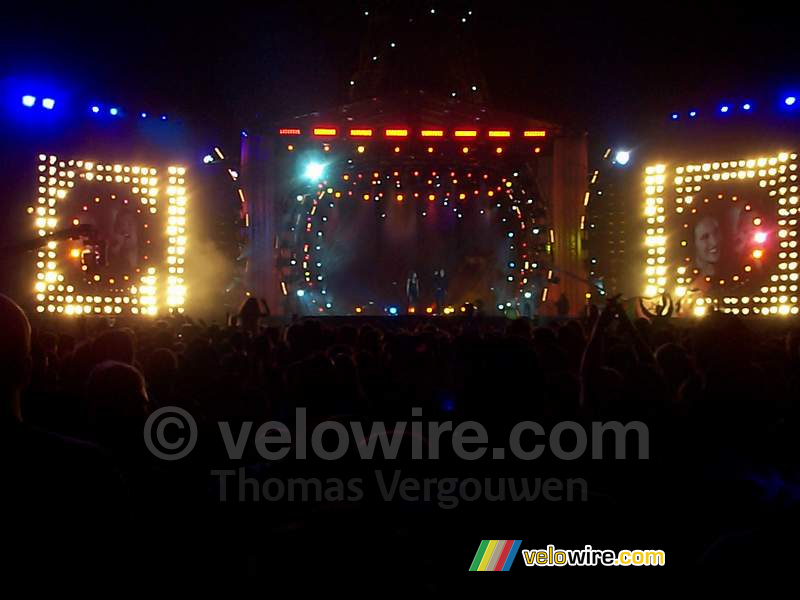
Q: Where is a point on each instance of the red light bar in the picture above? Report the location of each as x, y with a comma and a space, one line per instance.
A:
396, 133
325, 131
288, 131
499, 133
466, 133
361, 132
535, 133
432, 133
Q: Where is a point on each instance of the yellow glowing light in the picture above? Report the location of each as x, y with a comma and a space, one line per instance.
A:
49, 277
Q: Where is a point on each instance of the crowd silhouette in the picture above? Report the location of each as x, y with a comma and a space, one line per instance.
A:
719, 396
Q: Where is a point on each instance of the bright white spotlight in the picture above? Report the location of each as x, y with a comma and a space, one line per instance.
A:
48, 103
28, 101
622, 157
314, 171
760, 237
790, 100
208, 159
301, 293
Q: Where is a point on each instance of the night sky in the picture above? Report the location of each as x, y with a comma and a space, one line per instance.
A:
610, 68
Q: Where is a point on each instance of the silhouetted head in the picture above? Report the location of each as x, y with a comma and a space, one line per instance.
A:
15, 354
116, 391
115, 344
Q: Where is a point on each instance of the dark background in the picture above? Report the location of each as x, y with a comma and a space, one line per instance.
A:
611, 68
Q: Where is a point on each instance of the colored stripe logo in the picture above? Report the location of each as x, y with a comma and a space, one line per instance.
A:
495, 555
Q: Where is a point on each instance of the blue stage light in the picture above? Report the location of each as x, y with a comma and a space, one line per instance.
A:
48, 103
28, 101
746, 106
724, 108
301, 293
789, 100
144, 115
622, 157
693, 113
393, 310
95, 109
314, 171
674, 116
163, 117
208, 159
113, 111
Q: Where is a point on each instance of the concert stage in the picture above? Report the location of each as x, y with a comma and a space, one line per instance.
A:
344, 206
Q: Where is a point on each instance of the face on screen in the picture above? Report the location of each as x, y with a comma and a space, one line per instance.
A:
708, 244
725, 241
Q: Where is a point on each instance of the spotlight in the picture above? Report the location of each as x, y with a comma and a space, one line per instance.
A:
789, 100
674, 116
163, 117
724, 108
392, 310
301, 293
28, 101
314, 171
746, 106
622, 157
208, 159
144, 115
114, 111
48, 103
760, 237
692, 113
95, 109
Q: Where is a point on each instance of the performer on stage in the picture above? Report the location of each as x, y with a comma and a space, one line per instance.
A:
440, 287
412, 289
